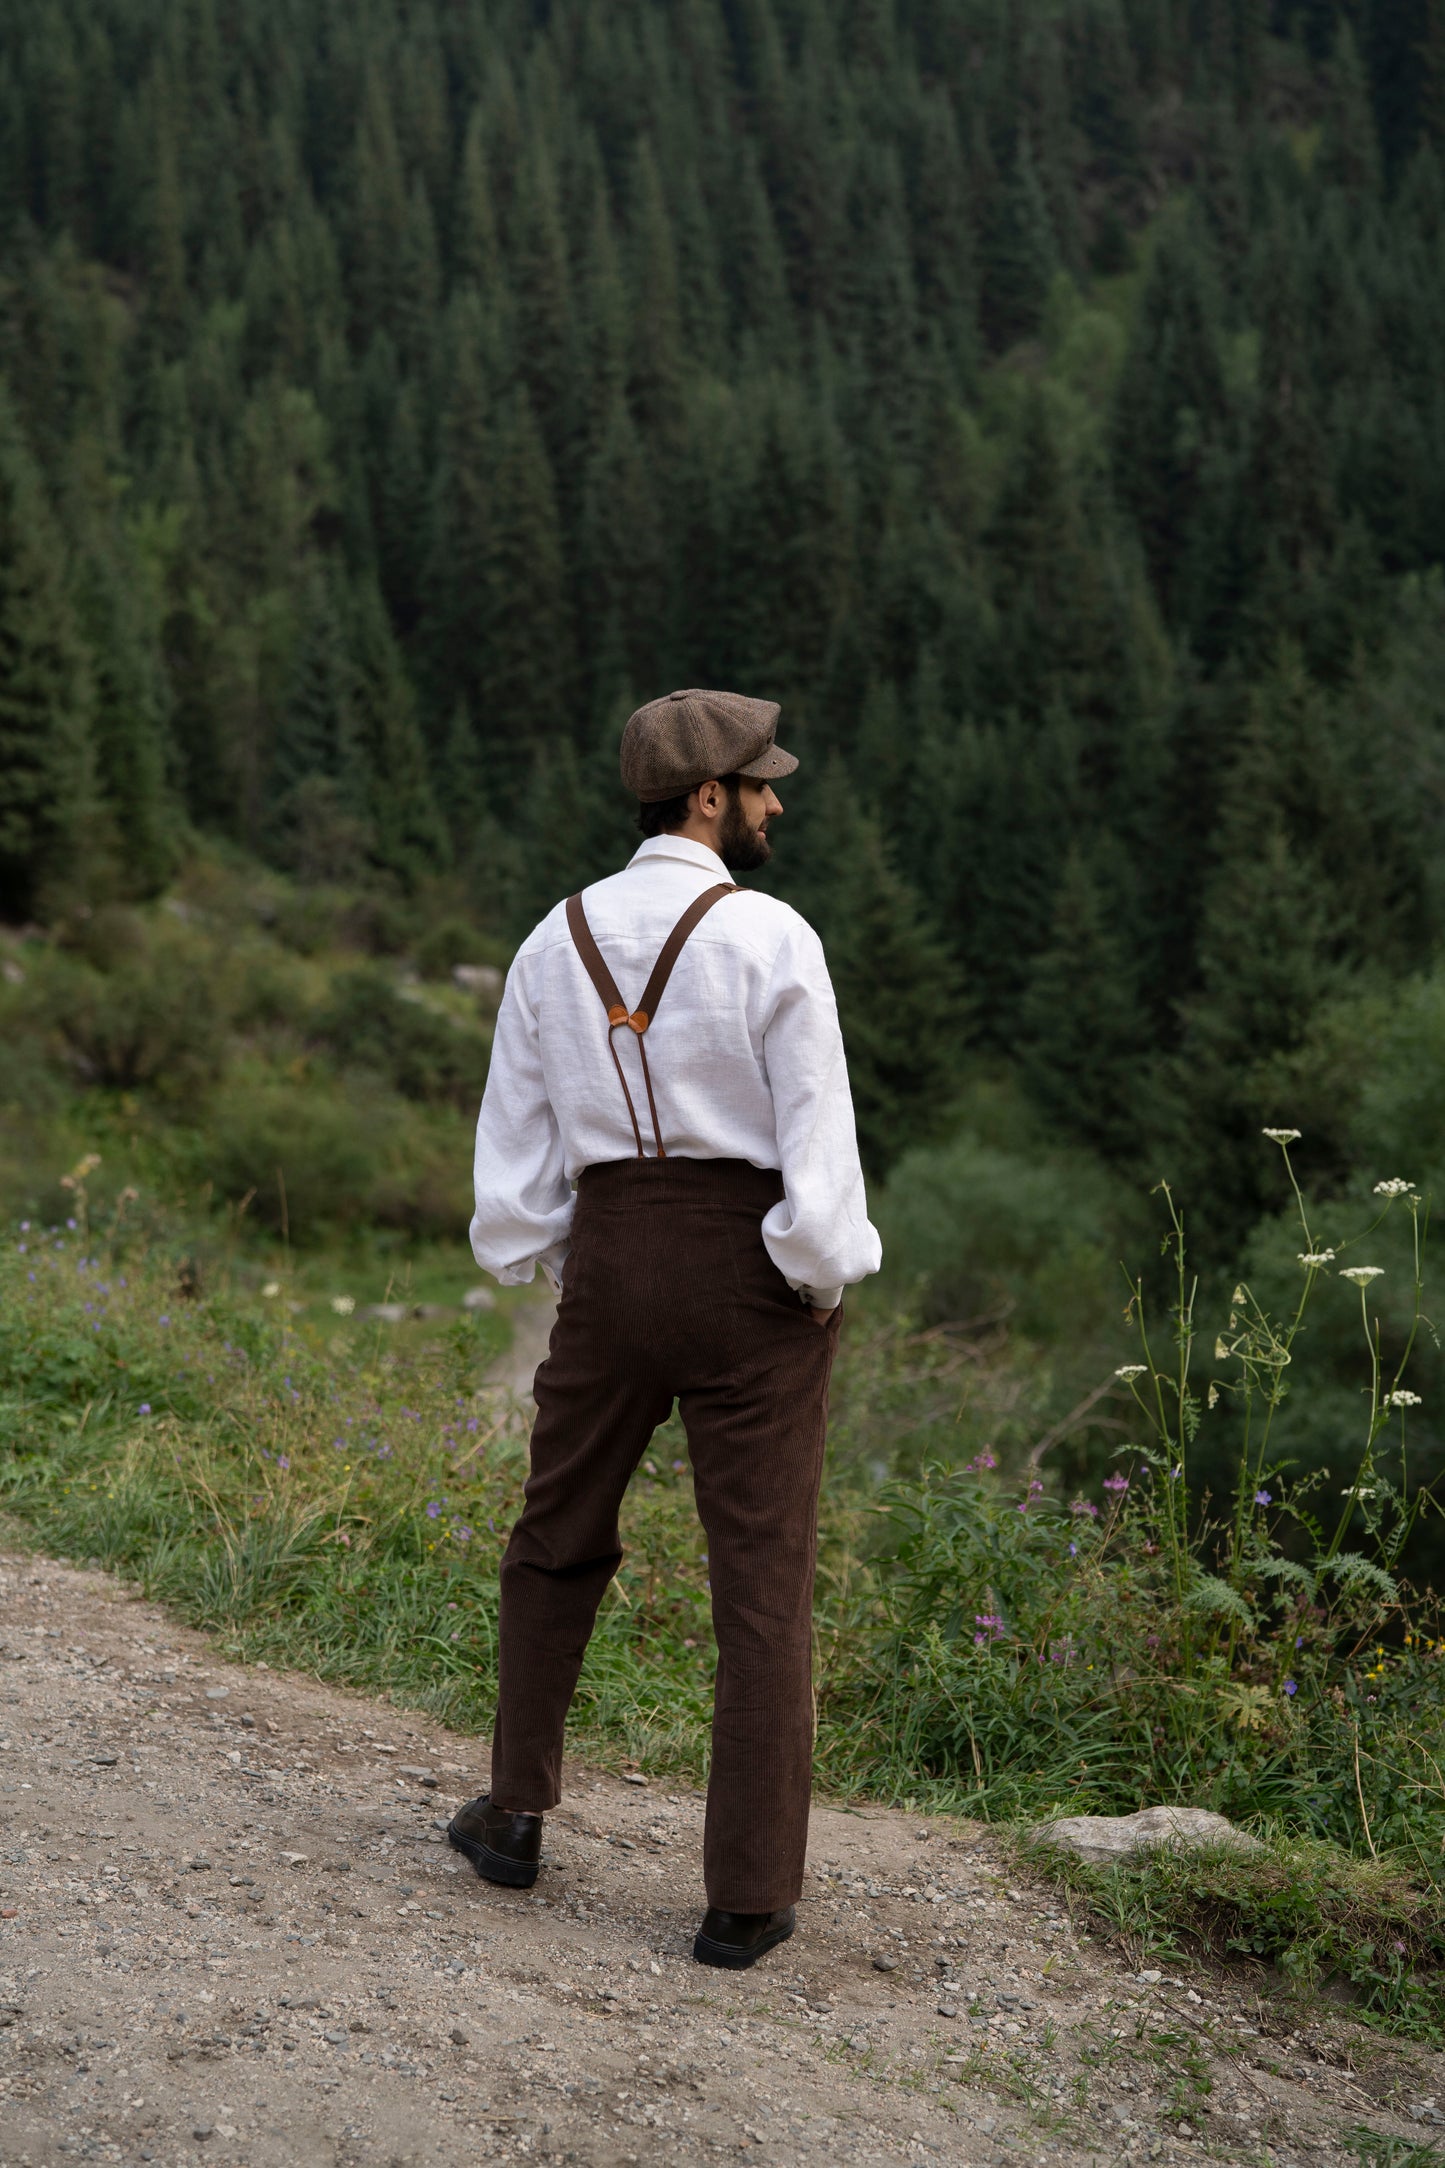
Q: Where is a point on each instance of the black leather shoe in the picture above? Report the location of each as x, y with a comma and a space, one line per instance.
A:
739, 1939
502, 1847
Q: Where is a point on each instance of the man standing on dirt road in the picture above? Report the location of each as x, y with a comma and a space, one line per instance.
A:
687, 1171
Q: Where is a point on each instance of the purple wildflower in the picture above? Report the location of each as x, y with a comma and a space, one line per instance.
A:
1263, 1498
1116, 1482
433, 1511
1291, 1687
145, 1407
283, 1460
1085, 1505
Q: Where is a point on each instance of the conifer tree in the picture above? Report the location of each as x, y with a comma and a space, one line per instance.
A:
542, 285
899, 993
1349, 153
459, 522
527, 633
408, 836
1170, 431
463, 797
656, 362
128, 726
1019, 255
46, 789
1431, 77
1084, 1039
475, 259
378, 213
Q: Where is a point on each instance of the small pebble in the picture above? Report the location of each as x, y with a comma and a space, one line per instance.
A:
885, 1964
459, 2038
948, 2009
632, 1777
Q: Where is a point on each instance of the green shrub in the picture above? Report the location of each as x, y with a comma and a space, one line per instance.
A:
307, 1158
453, 941
150, 1017
367, 1024
977, 1226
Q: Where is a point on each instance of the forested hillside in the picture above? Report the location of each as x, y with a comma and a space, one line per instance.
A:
1041, 398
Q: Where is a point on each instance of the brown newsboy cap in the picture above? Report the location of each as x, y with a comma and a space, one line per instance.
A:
687, 738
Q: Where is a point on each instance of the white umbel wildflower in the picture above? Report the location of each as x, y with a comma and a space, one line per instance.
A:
1395, 1187
1317, 1257
271, 1289
1402, 1399
1126, 1371
1281, 1136
1362, 1274
343, 1305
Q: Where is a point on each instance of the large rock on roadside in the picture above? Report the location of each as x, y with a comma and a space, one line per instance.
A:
1104, 1840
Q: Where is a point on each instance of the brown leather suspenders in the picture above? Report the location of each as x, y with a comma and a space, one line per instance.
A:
639, 1018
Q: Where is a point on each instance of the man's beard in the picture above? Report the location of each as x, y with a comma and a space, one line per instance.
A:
741, 848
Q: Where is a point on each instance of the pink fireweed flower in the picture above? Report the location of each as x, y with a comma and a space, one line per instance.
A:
1116, 1482
1085, 1505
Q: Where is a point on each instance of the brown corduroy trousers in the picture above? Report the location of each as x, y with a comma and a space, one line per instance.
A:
670, 1295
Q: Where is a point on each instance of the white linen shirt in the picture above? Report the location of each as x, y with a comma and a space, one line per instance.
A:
746, 1059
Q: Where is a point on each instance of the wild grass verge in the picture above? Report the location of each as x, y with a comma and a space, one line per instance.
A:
1372, 1932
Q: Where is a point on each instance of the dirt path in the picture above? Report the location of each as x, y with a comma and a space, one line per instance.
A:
531, 1331
230, 1929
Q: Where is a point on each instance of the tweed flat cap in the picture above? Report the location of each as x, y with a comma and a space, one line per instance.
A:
687, 738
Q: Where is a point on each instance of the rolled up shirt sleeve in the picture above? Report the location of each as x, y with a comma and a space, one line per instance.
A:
524, 1202
819, 1235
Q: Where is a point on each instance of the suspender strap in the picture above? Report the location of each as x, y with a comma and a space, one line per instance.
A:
638, 1019
672, 948
594, 960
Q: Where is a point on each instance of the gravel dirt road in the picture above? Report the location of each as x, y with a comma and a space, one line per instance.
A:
231, 1930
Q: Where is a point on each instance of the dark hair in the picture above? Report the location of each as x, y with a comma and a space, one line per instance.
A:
661, 818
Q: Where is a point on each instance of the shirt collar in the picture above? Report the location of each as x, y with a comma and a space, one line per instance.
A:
683, 848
